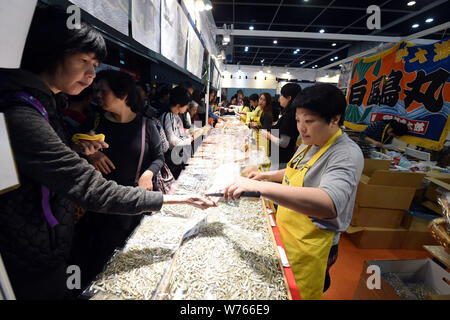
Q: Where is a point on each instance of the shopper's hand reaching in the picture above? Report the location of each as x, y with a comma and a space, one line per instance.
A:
201, 202
193, 200
146, 180
101, 162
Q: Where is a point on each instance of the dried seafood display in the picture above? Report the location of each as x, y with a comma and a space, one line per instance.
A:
407, 290
183, 252
231, 257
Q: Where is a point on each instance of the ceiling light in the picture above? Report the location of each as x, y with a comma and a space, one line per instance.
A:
335, 58
295, 52
331, 59
275, 41
302, 62
322, 30
262, 60
226, 38
414, 26
411, 3
251, 27
429, 20
333, 44
246, 49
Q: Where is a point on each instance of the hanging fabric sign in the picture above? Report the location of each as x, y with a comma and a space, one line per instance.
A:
145, 23
408, 83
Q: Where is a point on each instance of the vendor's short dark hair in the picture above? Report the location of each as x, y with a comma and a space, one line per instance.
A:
254, 97
49, 41
398, 128
179, 95
122, 84
324, 99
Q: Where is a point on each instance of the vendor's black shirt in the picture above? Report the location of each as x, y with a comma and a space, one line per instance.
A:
287, 126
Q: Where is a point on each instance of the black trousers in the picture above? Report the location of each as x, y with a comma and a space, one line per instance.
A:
332, 257
46, 285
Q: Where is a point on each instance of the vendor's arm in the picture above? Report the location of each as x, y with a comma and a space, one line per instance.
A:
373, 141
311, 201
274, 176
282, 141
336, 188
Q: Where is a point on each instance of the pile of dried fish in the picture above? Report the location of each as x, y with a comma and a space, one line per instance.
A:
136, 272
132, 275
229, 255
232, 257
407, 290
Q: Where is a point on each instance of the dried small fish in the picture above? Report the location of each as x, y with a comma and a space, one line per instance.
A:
231, 256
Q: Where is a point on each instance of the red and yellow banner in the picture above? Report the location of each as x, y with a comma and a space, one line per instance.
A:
408, 83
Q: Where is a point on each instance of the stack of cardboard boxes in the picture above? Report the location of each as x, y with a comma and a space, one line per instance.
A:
380, 219
438, 186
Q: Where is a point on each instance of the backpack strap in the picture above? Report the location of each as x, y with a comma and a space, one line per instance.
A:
141, 157
45, 202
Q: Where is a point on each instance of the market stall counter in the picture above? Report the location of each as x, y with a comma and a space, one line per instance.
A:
229, 252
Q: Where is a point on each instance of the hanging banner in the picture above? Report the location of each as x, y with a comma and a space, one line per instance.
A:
145, 23
112, 12
408, 83
174, 29
194, 54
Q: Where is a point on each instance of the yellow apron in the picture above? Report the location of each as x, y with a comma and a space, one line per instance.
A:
383, 141
307, 246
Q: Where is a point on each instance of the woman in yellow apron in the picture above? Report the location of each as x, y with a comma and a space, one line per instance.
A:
318, 187
382, 132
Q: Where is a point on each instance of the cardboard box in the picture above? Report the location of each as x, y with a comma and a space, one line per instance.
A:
376, 238
388, 189
376, 217
436, 188
410, 274
412, 234
372, 165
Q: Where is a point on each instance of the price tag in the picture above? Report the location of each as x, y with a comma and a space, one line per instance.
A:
284, 259
272, 222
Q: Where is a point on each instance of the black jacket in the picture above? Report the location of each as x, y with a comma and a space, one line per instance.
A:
41, 151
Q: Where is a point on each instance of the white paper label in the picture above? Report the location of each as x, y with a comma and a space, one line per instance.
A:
284, 260
8, 174
272, 222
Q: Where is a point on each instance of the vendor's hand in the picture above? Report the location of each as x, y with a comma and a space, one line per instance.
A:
192, 138
146, 180
255, 175
240, 184
200, 202
101, 162
264, 133
253, 125
378, 144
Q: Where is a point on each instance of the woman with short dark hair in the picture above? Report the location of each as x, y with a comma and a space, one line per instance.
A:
37, 218
316, 191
